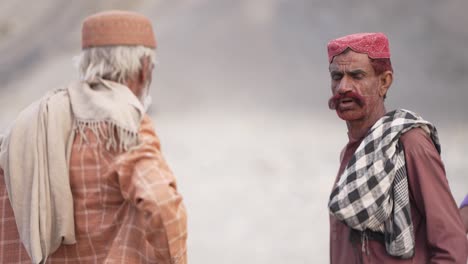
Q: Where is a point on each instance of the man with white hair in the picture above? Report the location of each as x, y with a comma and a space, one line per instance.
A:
82, 177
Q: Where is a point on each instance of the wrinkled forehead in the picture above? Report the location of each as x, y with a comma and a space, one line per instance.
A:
350, 60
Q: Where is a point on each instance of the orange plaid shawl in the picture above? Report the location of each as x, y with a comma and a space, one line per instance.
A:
127, 208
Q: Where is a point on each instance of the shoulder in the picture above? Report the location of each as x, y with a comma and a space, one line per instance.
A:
417, 140
147, 134
146, 124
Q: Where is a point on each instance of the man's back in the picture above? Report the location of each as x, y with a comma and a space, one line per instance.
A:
126, 207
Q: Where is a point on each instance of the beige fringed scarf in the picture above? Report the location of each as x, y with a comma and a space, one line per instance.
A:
36, 152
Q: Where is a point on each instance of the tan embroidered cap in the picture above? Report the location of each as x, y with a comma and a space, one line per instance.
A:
117, 27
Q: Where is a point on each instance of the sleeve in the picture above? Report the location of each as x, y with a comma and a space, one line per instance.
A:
146, 180
429, 187
464, 202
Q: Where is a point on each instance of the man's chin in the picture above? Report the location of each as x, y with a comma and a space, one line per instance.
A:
348, 115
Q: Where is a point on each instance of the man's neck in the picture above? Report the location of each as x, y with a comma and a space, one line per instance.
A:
358, 128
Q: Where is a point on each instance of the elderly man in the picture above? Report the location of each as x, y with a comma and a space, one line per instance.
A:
82, 177
391, 202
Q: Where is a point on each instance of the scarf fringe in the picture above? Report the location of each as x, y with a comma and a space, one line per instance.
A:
112, 135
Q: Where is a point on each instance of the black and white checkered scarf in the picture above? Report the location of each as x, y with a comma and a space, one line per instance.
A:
372, 193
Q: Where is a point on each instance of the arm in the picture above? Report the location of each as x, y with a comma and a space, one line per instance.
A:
147, 182
464, 212
446, 238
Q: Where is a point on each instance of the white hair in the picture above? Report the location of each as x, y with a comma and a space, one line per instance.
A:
115, 63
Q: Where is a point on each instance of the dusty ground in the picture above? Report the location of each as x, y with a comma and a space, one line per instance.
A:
240, 103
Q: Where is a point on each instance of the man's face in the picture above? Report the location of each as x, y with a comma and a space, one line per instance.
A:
354, 86
145, 96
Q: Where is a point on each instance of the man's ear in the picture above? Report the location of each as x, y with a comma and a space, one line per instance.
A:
386, 79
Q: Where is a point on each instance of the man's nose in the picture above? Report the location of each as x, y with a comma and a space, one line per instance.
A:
344, 86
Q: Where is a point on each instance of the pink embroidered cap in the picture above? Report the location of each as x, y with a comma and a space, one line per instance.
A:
375, 45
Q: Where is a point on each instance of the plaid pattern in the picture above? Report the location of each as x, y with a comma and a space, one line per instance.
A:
127, 208
372, 193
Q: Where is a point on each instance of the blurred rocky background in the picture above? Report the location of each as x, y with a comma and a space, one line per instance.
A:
240, 103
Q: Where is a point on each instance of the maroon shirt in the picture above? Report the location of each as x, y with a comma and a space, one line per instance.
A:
439, 232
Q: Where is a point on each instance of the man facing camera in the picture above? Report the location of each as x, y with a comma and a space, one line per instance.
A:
391, 202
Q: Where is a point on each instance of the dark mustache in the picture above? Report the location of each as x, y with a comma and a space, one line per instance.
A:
334, 100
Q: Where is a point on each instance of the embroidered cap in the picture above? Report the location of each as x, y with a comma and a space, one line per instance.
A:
375, 45
117, 27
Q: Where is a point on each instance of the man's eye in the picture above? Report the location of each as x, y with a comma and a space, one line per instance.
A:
358, 76
336, 77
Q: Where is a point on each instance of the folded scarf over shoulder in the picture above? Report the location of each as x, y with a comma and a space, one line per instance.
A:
35, 154
372, 193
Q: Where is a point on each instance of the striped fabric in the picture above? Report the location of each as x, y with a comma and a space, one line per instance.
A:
127, 208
